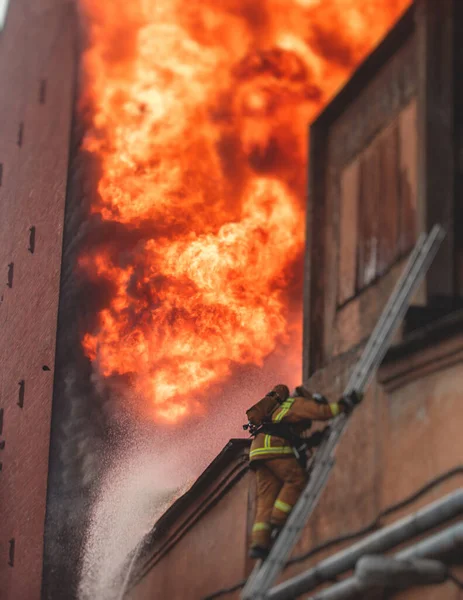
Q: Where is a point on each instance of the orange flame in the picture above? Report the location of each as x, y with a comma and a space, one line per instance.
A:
199, 112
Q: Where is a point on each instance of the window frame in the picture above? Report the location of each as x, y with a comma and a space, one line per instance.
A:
373, 185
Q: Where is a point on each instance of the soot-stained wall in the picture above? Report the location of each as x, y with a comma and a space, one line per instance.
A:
37, 73
78, 438
87, 422
76, 424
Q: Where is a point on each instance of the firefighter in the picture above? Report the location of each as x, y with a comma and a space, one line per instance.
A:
278, 454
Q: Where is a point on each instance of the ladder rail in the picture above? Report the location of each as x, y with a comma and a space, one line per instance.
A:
419, 261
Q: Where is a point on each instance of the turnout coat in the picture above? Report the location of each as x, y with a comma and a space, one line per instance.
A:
297, 411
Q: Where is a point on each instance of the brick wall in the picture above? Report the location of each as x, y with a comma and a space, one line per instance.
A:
36, 94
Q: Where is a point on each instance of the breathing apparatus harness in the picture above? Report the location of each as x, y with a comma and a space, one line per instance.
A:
300, 445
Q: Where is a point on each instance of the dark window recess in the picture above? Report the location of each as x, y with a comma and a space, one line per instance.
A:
2, 445
31, 239
1, 173
11, 552
22, 390
43, 91
10, 275
20, 134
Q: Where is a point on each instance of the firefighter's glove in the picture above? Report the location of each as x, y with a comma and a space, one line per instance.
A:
349, 401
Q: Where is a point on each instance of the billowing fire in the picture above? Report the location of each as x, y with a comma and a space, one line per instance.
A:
199, 113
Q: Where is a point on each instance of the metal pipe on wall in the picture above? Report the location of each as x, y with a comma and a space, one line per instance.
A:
434, 546
434, 514
390, 572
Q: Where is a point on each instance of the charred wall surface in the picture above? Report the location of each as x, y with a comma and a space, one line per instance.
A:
76, 425
87, 421
37, 70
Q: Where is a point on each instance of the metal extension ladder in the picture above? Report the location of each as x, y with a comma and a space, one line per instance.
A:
263, 578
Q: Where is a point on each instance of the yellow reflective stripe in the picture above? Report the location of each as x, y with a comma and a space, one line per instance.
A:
283, 506
271, 450
260, 527
268, 448
283, 410
335, 409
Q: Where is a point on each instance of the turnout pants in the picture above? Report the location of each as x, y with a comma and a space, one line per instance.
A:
280, 482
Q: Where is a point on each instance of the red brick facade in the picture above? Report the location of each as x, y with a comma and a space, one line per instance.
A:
37, 73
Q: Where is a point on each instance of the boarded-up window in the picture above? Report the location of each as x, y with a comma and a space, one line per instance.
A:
348, 233
408, 167
367, 244
388, 200
378, 220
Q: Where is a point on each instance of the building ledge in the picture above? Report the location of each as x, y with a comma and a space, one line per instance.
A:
432, 348
221, 475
